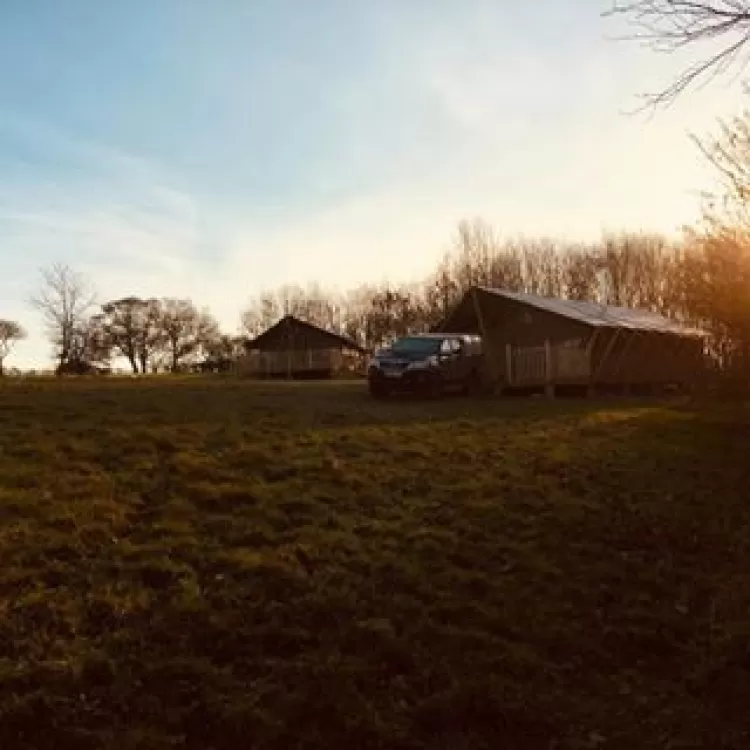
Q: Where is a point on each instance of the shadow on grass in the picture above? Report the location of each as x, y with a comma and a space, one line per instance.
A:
200, 401
223, 565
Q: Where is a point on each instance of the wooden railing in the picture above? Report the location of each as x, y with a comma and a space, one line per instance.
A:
289, 362
539, 365
528, 365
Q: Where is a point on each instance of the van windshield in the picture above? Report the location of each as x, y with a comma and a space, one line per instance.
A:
416, 345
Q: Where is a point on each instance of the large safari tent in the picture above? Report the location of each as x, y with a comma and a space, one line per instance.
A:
294, 348
542, 342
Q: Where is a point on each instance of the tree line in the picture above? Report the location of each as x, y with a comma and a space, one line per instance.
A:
149, 334
702, 279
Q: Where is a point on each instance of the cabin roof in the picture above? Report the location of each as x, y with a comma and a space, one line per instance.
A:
598, 315
290, 322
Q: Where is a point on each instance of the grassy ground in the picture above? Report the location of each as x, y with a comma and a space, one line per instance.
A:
215, 564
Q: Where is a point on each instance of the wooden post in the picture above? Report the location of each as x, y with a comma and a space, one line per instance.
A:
589, 353
289, 338
549, 370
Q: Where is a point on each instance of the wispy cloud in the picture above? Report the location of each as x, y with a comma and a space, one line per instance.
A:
301, 165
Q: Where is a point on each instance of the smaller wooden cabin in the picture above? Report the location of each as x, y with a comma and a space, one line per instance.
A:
548, 343
294, 348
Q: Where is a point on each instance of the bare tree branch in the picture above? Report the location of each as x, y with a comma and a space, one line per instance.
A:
667, 26
729, 153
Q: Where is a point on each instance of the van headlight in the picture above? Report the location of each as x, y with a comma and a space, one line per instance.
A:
423, 364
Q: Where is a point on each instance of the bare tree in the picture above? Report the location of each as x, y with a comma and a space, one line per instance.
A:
729, 153
440, 294
476, 245
392, 312
10, 333
261, 313
579, 273
63, 299
542, 271
356, 313
669, 26
312, 304
716, 279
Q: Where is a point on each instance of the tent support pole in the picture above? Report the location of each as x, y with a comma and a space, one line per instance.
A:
589, 353
633, 336
605, 356
549, 370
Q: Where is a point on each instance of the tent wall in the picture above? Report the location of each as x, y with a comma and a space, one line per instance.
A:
508, 326
292, 348
621, 356
517, 336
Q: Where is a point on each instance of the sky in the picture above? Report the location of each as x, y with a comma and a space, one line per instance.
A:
212, 150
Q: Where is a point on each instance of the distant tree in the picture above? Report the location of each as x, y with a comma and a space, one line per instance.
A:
633, 270
542, 271
185, 331
481, 257
476, 245
579, 273
715, 269
312, 304
10, 333
391, 313
506, 268
221, 352
716, 278
355, 307
64, 299
440, 294
261, 313
90, 348
669, 26
131, 326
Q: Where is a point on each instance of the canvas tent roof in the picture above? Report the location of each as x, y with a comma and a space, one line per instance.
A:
594, 314
290, 322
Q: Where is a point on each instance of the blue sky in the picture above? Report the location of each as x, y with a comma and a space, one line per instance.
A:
213, 149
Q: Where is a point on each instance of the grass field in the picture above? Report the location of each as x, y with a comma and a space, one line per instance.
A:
217, 564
